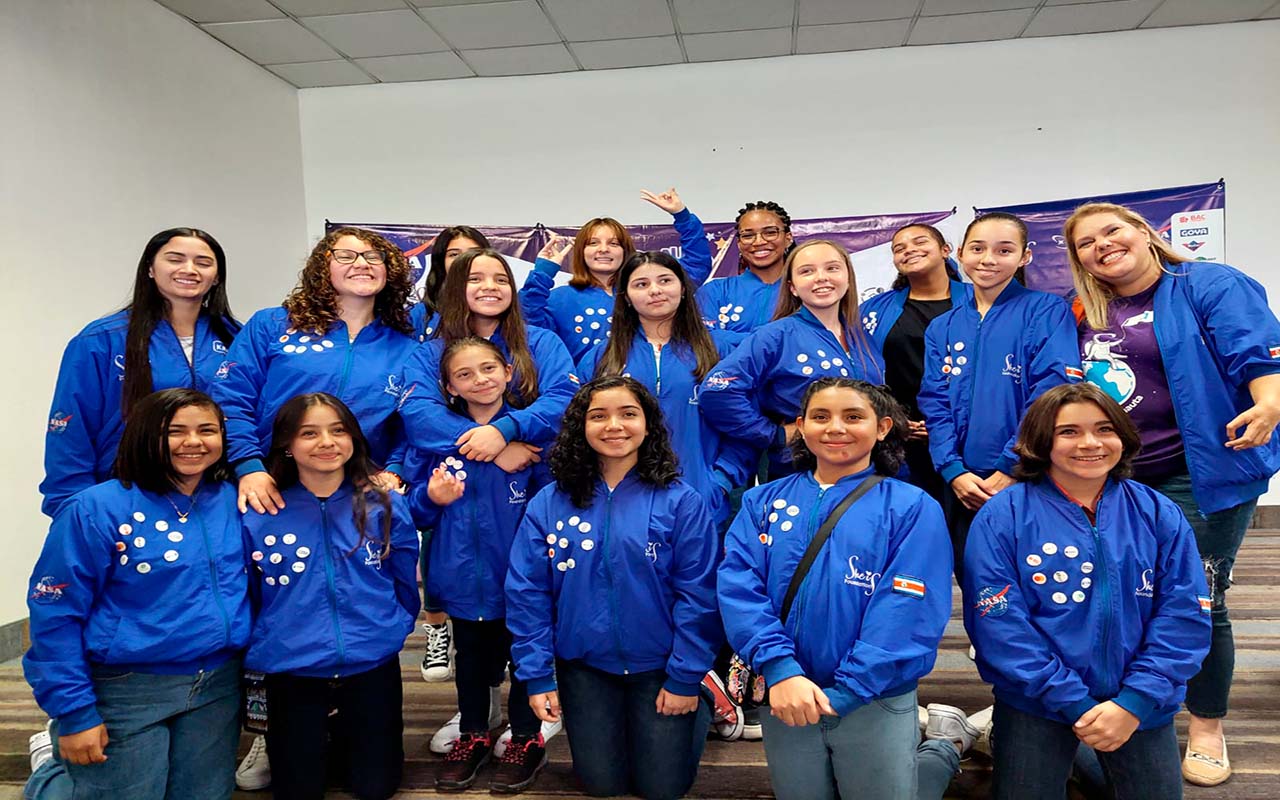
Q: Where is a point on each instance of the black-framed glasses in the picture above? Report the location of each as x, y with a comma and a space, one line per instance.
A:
764, 235
371, 257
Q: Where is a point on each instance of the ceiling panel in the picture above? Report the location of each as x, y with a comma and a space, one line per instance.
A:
427, 67
825, 12
382, 33
705, 16
315, 8
1091, 18
738, 44
223, 10
628, 53
937, 8
321, 73
491, 25
276, 41
987, 26
1205, 12
439, 3
520, 60
851, 36
592, 20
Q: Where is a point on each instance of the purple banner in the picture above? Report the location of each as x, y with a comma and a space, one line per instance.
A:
521, 243
1191, 218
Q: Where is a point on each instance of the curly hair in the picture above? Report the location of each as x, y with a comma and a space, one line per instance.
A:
773, 208
313, 303
576, 467
887, 455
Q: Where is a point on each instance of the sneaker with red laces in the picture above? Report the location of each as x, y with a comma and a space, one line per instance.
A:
726, 715
463, 762
524, 757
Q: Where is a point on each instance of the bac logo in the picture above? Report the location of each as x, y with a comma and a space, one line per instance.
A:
1191, 218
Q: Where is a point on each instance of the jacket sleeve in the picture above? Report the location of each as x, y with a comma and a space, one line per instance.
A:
404, 556
426, 514
80, 397
900, 632
429, 424
934, 400
536, 293
238, 390
1178, 632
729, 396
68, 579
751, 622
694, 614
1055, 350
531, 601
695, 250
1007, 642
539, 422
1241, 327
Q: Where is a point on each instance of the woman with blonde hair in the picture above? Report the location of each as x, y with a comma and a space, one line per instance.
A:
1191, 350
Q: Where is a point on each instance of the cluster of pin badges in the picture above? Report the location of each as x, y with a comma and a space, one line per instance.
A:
277, 558
303, 343
1059, 578
591, 324
820, 356
135, 534
781, 509
564, 529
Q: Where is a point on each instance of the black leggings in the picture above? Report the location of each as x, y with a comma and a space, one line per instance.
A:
483, 652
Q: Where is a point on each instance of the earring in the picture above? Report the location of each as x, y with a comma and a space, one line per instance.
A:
288, 454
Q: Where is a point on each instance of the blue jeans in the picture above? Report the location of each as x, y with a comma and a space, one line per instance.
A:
1033, 758
1218, 537
619, 742
870, 752
170, 737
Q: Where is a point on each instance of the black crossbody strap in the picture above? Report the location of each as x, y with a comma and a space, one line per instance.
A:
820, 539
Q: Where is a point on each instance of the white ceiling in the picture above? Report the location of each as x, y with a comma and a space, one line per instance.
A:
312, 43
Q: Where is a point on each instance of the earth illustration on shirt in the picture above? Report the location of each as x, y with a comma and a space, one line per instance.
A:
1107, 370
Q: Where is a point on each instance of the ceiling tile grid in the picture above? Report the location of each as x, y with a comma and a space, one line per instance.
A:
317, 43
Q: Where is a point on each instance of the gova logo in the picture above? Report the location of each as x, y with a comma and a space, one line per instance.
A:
1194, 232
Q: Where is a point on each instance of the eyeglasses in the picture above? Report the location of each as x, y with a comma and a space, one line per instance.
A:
371, 257
764, 234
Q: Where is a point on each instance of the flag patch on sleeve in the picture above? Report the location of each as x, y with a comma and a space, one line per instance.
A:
1078, 374
1274, 352
905, 584
1206, 605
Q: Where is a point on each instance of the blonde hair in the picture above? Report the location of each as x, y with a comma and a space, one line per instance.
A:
1096, 295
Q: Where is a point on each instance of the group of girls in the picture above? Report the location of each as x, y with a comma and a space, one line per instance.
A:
587, 536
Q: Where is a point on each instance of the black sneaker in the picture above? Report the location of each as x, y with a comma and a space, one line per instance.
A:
751, 729
463, 762
519, 767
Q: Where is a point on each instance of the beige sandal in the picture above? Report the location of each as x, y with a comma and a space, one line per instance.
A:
1203, 769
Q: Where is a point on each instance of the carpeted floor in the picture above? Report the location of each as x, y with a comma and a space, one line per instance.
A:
737, 770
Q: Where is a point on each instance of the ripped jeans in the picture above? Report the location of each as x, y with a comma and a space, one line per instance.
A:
1218, 537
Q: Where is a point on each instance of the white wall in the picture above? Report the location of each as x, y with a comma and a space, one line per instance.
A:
909, 129
121, 119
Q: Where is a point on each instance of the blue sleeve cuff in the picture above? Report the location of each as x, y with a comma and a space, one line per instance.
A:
547, 267
681, 688
843, 701
508, 428
249, 466
722, 480
780, 437
541, 685
682, 214
1005, 464
80, 719
779, 669
395, 469
1077, 709
1135, 703
953, 470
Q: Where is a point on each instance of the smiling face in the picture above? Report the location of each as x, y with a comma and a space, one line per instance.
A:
489, 288
322, 445
916, 252
477, 375
615, 426
762, 239
457, 246
840, 428
1086, 446
1115, 252
654, 292
360, 278
185, 269
993, 251
819, 277
603, 252
195, 443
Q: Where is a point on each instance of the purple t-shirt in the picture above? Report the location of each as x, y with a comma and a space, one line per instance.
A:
1124, 360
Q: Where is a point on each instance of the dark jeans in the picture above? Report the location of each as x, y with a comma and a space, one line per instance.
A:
424, 563
369, 727
959, 518
1033, 758
1218, 537
483, 652
619, 741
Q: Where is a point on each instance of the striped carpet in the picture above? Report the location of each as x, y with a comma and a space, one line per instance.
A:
737, 770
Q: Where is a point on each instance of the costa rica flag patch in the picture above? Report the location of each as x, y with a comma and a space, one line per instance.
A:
1078, 374
1274, 352
905, 584
1206, 604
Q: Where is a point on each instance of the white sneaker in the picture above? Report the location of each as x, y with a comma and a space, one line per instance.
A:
437, 664
549, 729
40, 746
254, 772
950, 724
922, 718
442, 741
981, 721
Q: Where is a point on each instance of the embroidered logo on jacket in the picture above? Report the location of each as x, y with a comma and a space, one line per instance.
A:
224, 369
1012, 370
1146, 588
911, 587
47, 590
863, 579
517, 494
993, 602
1206, 604
59, 421
720, 380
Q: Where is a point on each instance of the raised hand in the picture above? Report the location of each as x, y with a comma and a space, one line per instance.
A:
669, 201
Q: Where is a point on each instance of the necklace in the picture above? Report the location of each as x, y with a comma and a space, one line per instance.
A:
181, 516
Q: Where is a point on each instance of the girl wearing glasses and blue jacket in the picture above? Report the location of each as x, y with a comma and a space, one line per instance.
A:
741, 303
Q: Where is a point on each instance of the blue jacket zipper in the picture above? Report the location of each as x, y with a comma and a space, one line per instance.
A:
476, 554
328, 576
213, 578
346, 362
613, 594
1104, 589
800, 595
977, 359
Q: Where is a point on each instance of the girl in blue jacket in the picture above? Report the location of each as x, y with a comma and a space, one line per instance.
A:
473, 509
658, 338
927, 286
611, 597
753, 395
1087, 605
984, 363
1192, 351
334, 579
746, 301
448, 245
139, 612
842, 665
174, 332
581, 313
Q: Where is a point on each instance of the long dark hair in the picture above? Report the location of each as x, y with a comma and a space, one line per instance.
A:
148, 307
143, 457
1020, 275
576, 466
458, 404
687, 329
455, 320
888, 454
948, 263
435, 275
359, 469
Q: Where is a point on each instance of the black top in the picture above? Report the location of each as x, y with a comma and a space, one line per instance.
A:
904, 351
